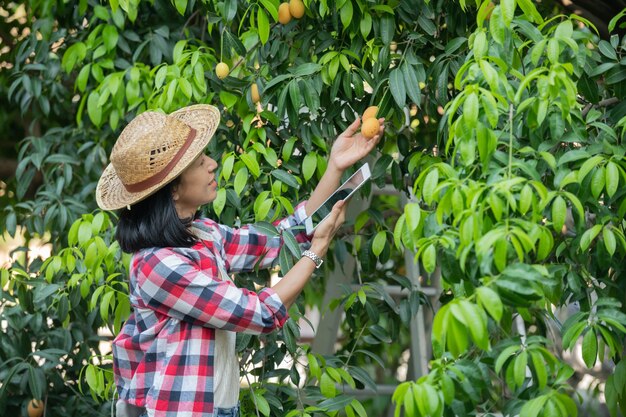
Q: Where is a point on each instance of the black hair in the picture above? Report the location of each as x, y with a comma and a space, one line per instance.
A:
154, 222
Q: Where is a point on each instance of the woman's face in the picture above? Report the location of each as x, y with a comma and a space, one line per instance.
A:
197, 186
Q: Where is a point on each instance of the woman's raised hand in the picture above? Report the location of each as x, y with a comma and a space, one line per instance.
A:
327, 229
351, 146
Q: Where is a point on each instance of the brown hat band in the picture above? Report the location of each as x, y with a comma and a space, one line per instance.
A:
159, 176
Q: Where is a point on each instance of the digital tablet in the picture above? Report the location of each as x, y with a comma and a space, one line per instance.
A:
344, 192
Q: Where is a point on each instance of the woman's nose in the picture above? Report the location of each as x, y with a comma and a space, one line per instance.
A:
212, 164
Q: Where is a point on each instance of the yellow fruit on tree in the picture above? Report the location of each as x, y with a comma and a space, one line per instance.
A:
254, 93
369, 112
35, 408
370, 127
284, 15
393, 46
221, 70
296, 8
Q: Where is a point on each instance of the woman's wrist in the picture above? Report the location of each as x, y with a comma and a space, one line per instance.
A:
319, 248
333, 168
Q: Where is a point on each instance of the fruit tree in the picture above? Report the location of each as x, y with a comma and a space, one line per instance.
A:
504, 136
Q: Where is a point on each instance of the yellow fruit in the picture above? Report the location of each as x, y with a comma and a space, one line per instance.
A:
370, 127
254, 93
221, 70
393, 46
35, 408
284, 16
369, 112
296, 8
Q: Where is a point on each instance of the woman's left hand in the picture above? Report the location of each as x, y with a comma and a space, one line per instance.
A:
350, 146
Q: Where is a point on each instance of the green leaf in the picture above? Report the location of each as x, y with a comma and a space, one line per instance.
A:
589, 236
607, 50
396, 84
480, 45
430, 184
612, 178
504, 356
229, 100
447, 388
358, 407
519, 368
525, 199
413, 213
286, 178
73, 55
490, 301
597, 182
559, 213
346, 14
429, 259
508, 11
496, 25
609, 240
398, 230
540, 369
309, 165
530, 11
411, 83
590, 348
291, 243
365, 25
227, 166
387, 28
590, 164
181, 6
93, 109
379, 242
241, 179
264, 26
271, 8
230, 9
110, 37
533, 407
476, 324
327, 386
261, 403
470, 110
251, 163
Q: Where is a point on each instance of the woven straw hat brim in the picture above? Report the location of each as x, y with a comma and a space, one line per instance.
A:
111, 193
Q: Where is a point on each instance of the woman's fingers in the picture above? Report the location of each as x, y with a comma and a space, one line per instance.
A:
329, 226
352, 129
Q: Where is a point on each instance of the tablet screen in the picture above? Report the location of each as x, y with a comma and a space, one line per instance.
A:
344, 191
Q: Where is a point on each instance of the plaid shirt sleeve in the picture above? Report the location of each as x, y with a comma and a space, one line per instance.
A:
247, 247
172, 284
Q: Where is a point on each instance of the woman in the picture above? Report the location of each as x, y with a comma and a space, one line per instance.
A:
175, 356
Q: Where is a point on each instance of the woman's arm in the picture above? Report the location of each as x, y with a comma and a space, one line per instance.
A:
174, 285
349, 148
249, 247
292, 283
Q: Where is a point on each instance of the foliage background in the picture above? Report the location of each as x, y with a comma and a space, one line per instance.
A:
504, 124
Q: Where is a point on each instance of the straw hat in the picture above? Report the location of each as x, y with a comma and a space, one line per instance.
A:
153, 150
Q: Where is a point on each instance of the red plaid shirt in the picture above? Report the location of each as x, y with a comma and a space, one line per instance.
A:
163, 357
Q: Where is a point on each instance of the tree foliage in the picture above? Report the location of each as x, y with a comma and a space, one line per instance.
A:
504, 129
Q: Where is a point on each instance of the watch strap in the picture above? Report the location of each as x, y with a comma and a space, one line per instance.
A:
313, 256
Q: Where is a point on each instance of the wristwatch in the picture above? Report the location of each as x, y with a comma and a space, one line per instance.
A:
313, 256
